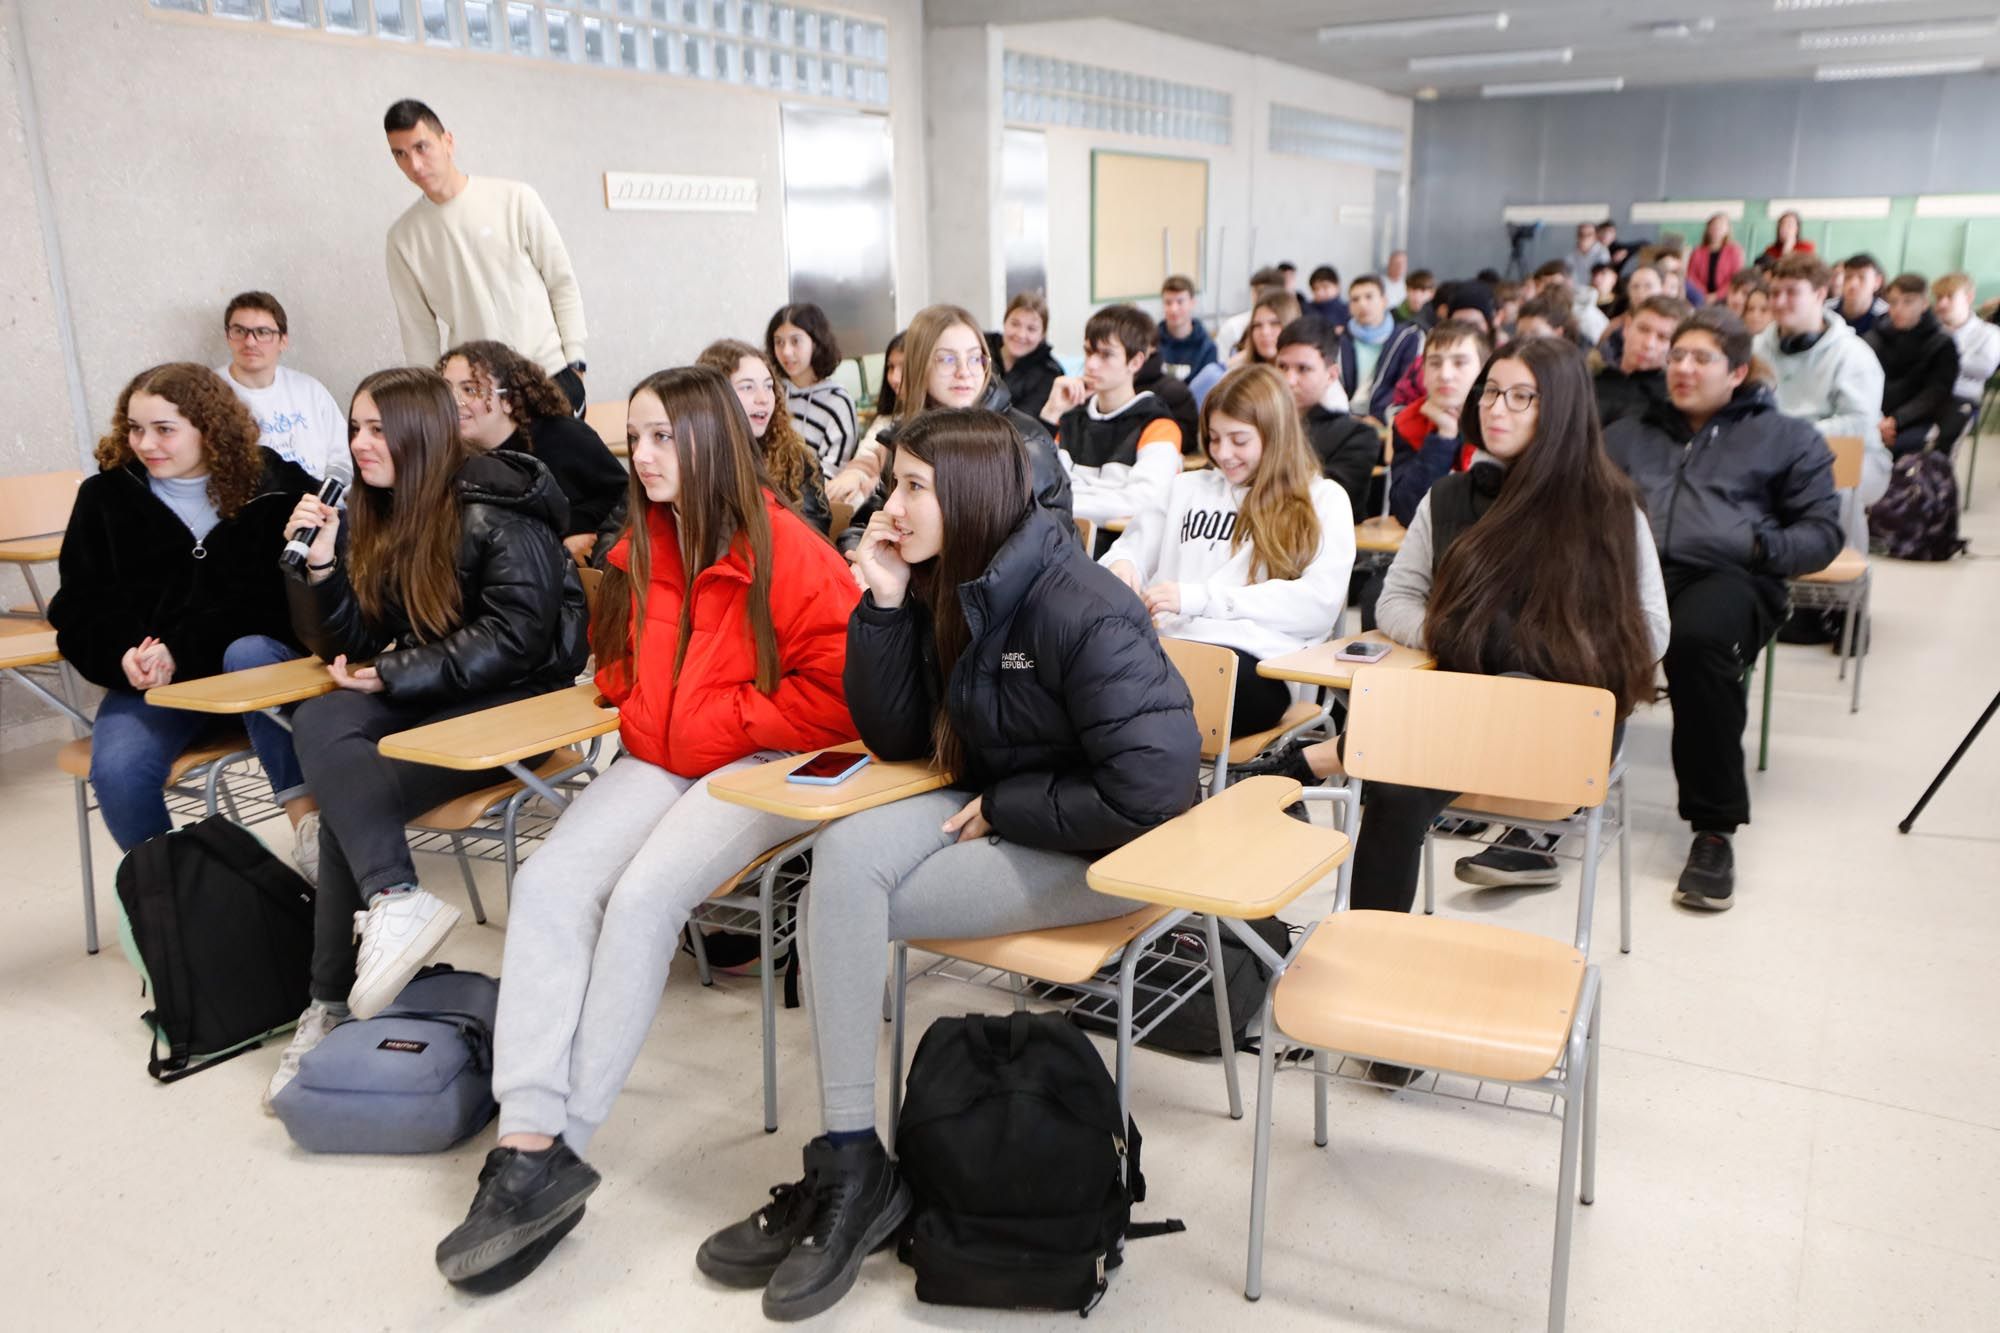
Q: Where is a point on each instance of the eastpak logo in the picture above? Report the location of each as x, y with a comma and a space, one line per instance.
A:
1016, 662
400, 1044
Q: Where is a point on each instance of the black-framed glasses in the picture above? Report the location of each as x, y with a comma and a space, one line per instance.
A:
1518, 397
240, 333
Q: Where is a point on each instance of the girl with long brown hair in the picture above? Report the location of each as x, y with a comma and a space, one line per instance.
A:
789, 463
1537, 560
989, 644
447, 574
1252, 553
721, 632
1259, 344
170, 572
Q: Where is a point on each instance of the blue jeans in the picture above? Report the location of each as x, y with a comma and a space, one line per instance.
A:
133, 745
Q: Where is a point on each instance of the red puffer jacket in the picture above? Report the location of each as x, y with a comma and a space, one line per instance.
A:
711, 712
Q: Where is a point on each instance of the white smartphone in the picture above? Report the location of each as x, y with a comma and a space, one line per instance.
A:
829, 768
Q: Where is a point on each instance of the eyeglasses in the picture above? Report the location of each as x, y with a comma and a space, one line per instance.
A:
238, 333
974, 361
1518, 397
1700, 356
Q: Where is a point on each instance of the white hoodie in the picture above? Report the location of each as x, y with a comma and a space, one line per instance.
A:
1837, 385
1187, 542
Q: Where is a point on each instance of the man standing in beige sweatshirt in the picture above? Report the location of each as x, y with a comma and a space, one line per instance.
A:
481, 257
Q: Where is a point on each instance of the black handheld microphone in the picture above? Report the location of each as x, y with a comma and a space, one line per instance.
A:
331, 491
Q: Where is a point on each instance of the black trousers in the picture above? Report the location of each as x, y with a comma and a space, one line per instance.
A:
1721, 619
571, 384
1260, 701
364, 802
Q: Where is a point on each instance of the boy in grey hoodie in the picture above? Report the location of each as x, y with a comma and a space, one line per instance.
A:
1826, 375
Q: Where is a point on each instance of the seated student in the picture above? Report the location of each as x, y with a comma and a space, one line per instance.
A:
1022, 353
506, 401
1549, 315
744, 667
1746, 499
450, 574
790, 466
1673, 272
1507, 300
1346, 447
799, 341
1119, 444
1185, 347
1376, 350
989, 644
1604, 286
1538, 561
1827, 376
1642, 284
1252, 553
1427, 439
1288, 275
298, 418
1394, 289
1637, 380
1789, 241
1326, 301
1262, 283
857, 478
1757, 311
1468, 302
1588, 253
1417, 294
1738, 290
1259, 346
1181, 401
170, 572
1978, 344
1617, 251
1859, 291
1919, 367
1716, 260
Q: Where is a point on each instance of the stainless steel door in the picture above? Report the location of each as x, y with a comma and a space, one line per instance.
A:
840, 226
1024, 210
1388, 217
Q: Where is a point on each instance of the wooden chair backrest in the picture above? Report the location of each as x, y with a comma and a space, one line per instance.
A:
37, 504
841, 513
593, 581
608, 420
1210, 673
1088, 531
1501, 736
1848, 451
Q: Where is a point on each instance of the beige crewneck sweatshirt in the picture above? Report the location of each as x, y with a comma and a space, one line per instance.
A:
488, 264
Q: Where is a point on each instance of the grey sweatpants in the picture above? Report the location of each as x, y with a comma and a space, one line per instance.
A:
594, 923
892, 873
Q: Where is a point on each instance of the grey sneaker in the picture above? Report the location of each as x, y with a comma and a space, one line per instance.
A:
305, 848
1708, 882
314, 1024
1519, 860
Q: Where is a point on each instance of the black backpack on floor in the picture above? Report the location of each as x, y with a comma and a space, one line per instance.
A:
1009, 1140
1917, 517
223, 934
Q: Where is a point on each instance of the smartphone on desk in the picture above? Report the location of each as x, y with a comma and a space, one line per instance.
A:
829, 768
1364, 651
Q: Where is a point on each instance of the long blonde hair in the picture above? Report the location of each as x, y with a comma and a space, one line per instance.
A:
920, 342
1277, 518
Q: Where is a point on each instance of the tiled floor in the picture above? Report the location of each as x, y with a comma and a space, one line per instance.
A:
1801, 1120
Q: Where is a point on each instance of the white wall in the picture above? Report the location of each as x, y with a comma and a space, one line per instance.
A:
1291, 202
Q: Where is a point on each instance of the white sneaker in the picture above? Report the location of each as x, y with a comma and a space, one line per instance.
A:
305, 848
314, 1024
399, 933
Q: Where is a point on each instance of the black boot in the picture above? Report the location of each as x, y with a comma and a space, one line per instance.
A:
858, 1202
1709, 881
746, 1253
1287, 761
522, 1197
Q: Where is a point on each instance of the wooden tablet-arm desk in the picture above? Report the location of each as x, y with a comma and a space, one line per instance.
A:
508, 735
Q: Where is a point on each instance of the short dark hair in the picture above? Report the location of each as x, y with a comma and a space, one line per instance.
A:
1555, 268
810, 320
1268, 276
1452, 332
1596, 269
1178, 282
1672, 307
1609, 224
407, 115
1910, 284
1423, 280
1286, 266
1132, 327
1489, 276
1324, 273
1802, 264
1367, 280
1720, 323
1314, 332
263, 301
1862, 260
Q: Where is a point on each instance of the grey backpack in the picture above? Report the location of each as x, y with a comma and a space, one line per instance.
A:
418, 1077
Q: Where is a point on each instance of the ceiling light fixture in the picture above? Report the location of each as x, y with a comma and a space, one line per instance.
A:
1783, 6
1679, 30
1840, 39
1554, 87
1548, 55
1897, 69
1387, 29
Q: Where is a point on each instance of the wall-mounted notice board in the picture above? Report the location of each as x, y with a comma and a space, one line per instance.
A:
1148, 218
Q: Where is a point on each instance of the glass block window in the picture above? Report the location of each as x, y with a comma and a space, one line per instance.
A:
1043, 90
1300, 132
784, 48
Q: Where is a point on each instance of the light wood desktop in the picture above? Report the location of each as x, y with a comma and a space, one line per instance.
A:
1319, 664
253, 690
507, 734
765, 787
32, 550
28, 650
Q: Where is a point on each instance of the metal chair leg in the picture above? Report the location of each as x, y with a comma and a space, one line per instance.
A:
699, 947
83, 859
1430, 878
471, 885
1566, 1184
1588, 1192
1764, 739
899, 976
1260, 1160
1322, 1071
766, 970
1225, 1023
1859, 622
1624, 869
1018, 986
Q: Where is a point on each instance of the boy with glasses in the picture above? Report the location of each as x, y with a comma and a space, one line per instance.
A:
299, 419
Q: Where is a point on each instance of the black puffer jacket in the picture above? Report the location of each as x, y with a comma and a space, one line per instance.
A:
1919, 370
130, 568
523, 621
1052, 490
1752, 490
1176, 397
1078, 732
1030, 378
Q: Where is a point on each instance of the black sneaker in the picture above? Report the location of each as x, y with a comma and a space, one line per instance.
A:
1709, 881
1287, 761
1396, 1076
858, 1202
522, 1196
1519, 860
509, 1271
746, 1253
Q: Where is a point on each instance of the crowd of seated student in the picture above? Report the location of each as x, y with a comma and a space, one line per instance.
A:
1376, 350
1121, 446
1021, 350
1347, 448
1259, 345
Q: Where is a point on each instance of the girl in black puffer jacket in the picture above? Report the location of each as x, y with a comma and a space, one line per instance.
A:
455, 582
990, 643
